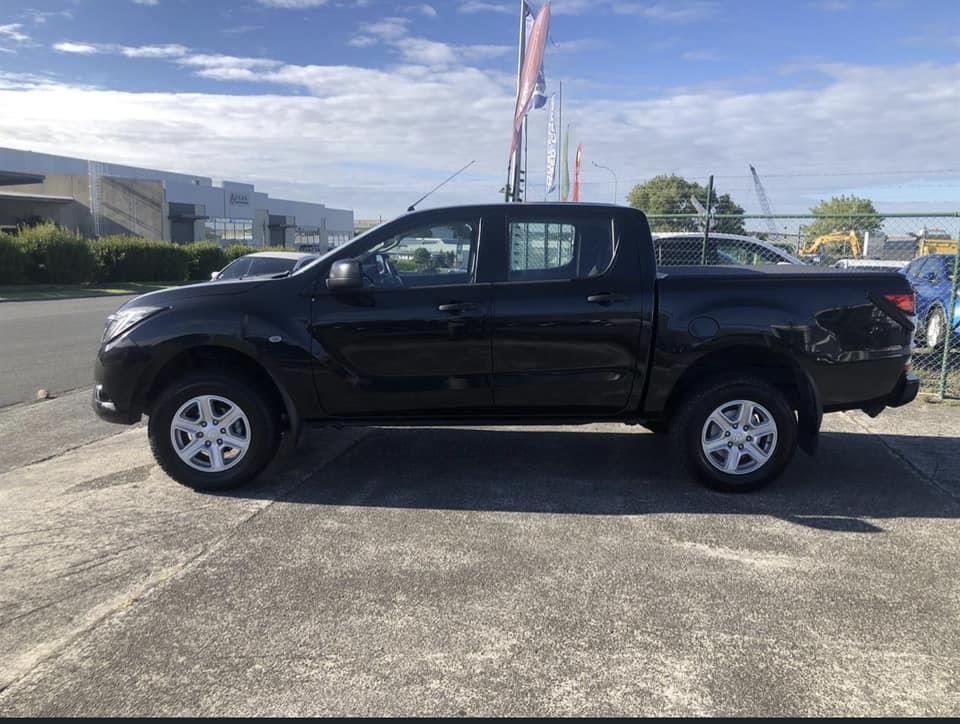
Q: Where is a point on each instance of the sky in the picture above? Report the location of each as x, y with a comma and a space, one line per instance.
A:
367, 104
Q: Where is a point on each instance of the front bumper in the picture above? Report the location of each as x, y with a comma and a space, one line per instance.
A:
106, 408
117, 392
905, 392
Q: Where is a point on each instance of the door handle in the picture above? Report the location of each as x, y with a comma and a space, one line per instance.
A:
458, 307
607, 298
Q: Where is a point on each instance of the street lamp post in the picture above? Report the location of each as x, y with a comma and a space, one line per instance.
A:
607, 168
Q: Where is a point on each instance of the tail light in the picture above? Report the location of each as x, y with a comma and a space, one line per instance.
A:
906, 303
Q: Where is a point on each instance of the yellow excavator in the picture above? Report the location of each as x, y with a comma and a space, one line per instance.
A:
847, 238
935, 241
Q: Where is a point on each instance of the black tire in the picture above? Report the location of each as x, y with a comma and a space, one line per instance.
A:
255, 404
937, 344
702, 401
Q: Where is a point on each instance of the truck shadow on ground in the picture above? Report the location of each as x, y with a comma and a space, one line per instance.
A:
853, 483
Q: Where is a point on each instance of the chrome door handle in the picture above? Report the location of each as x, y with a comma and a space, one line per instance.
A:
457, 307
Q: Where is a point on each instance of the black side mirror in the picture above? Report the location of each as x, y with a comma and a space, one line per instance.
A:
345, 275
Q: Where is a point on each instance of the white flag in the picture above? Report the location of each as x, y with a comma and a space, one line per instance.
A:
552, 139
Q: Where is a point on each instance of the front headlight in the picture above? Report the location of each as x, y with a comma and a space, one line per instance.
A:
123, 321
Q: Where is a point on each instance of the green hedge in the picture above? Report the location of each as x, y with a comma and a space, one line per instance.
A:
49, 254
13, 261
53, 255
206, 257
132, 259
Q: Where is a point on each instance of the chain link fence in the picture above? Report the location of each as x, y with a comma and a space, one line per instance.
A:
923, 247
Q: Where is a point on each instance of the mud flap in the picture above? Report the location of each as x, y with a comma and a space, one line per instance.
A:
809, 413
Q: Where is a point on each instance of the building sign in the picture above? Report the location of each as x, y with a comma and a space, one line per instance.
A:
239, 199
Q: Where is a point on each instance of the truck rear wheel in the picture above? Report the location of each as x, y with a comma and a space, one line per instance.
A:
213, 431
735, 434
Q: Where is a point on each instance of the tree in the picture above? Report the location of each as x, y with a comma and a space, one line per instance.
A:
424, 260
843, 213
671, 195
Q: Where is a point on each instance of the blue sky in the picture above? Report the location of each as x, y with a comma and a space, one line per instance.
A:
366, 103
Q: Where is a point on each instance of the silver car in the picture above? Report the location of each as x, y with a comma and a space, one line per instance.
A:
685, 248
263, 263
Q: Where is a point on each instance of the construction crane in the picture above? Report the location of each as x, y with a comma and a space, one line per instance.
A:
764, 201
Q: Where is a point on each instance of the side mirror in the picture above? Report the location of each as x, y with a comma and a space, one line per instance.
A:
345, 275
214, 275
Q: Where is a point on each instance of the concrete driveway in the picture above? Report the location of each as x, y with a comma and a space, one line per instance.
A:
471, 571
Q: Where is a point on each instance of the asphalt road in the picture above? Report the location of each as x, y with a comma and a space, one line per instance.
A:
546, 571
50, 344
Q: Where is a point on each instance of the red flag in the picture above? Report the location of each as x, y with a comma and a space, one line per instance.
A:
532, 65
576, 173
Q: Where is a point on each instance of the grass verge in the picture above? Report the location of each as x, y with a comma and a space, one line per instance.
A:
35, 292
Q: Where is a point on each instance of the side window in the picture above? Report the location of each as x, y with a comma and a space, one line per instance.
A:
423, 256
547, 250
745, 253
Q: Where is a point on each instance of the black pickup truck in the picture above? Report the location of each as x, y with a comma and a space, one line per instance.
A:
508, 314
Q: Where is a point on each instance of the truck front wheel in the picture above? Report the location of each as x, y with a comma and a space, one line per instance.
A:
213, 431
735, 434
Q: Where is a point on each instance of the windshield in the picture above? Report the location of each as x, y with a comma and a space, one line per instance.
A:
266, 265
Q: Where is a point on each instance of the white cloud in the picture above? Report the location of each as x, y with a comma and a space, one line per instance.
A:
40, 17
77, 48
362, 41
674, 11
141, 51
154, 51
351, 139
424, 9
13, 32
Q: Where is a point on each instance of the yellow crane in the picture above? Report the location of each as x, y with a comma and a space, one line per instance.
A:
848, 238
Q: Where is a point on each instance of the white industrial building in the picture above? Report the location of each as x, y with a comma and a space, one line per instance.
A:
99, 199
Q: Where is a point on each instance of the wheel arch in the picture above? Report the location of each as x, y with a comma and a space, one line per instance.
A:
775, 367
221, 358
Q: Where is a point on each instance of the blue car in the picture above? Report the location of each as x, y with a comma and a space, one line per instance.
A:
931, 277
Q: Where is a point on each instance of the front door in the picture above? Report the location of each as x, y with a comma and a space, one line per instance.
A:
567, 314
416, 338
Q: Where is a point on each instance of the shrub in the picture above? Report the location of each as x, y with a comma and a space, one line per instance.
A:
54, 255
206, 257
132, 259
12, 261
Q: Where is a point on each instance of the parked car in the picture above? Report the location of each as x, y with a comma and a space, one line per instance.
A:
932, 278
560, 315
686, 248
263, 263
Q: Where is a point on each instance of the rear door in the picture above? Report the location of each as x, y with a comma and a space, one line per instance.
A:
567, 312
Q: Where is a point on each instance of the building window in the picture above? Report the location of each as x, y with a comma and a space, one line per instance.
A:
307, 238
229, 231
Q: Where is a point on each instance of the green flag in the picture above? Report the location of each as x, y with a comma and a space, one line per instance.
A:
565, 162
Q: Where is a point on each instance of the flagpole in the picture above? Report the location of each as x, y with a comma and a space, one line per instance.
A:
518, 157
560, 126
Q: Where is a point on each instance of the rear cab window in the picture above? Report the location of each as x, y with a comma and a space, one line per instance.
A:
554, 249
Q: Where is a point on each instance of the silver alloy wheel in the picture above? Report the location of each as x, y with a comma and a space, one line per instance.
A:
739, 437
210, 433
934, 328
